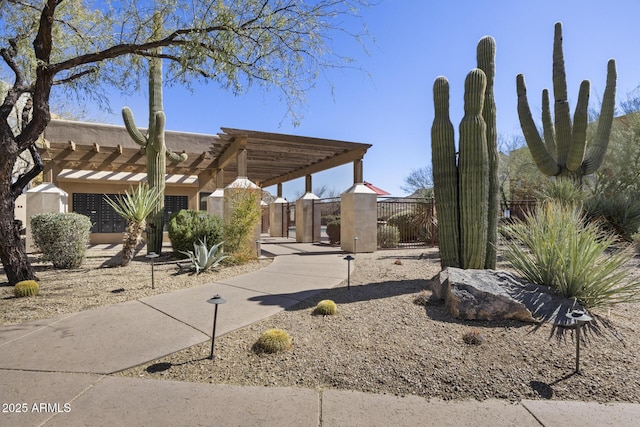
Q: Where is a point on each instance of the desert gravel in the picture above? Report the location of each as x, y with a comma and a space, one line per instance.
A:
380, 341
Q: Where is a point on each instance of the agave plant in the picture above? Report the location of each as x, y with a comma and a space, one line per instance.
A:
202, 258
134, 206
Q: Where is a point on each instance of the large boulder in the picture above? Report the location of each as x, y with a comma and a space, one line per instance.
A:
499, 295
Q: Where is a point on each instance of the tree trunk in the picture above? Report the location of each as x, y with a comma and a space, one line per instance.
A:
12, 252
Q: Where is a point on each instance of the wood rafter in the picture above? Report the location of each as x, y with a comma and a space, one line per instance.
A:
271, 158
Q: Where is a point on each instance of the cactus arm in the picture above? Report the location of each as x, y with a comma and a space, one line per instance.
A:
547, 125
486, 53
579, 134
561, 106
157, 134
473, 174
130, 124
445, 176
603, 132
545, 162
176, 158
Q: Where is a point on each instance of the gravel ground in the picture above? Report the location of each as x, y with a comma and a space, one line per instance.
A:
380, 341
101, 281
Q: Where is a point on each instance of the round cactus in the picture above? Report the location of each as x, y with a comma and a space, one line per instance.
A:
26, 288
273, 341
326, 308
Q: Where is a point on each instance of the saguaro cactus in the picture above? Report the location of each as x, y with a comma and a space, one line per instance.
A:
154, 144
563, 151
463, 191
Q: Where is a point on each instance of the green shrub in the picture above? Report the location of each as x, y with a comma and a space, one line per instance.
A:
273, 341
333, 231
564, 191
26, 288
554, 246
188, 227
617, 215
413, 226
388, 236
326, 307
61, 237
240, 224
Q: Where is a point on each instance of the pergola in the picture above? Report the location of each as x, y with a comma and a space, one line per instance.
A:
265, 158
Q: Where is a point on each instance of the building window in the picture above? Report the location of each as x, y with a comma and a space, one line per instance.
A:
106, 220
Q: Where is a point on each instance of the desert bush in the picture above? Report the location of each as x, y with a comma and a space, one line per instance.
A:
618, 215
564, 191
61, 237
636, 241
240, 224
326, 307
26, 288
333, 231
273, 341
388, 236
555, 247
413, 226
187, 227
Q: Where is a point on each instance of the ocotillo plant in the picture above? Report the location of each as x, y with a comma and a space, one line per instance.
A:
464, 195
155, 147
563, 151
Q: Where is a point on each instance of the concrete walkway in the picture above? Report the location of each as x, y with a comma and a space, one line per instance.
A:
55, 372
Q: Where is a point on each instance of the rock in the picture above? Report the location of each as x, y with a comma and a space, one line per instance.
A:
498, 295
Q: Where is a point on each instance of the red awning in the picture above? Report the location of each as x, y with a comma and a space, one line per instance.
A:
379, 191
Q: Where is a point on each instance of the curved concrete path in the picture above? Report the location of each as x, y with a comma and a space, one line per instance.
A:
54, 372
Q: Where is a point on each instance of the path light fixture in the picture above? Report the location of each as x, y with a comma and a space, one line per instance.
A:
258, 249
355, 245
349, 258
216, 300
152, 256
580, 317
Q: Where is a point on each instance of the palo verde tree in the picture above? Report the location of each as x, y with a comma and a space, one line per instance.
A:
85, 47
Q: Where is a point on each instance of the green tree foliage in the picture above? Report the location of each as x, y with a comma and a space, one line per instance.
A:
84, 48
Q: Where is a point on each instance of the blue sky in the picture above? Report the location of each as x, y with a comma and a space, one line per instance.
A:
391, 106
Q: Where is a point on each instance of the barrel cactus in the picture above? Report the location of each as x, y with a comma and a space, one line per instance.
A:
466, 188
326, 307
26, 288
273, 341
562, 149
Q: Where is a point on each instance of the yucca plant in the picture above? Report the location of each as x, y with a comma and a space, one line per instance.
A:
554, 246
134, 206
202, 258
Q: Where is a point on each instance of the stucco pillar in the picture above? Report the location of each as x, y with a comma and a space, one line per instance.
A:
278, 224
358, 215
43, 198
307, 219
215, 200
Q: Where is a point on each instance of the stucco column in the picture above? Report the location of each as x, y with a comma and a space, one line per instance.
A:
307, 219
278, 224
215, 200
358, 215
43, 198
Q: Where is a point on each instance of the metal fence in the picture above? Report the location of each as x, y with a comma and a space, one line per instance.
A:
414, 221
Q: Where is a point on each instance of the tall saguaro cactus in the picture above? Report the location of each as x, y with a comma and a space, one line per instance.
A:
466, 199
563, 151
154, 144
